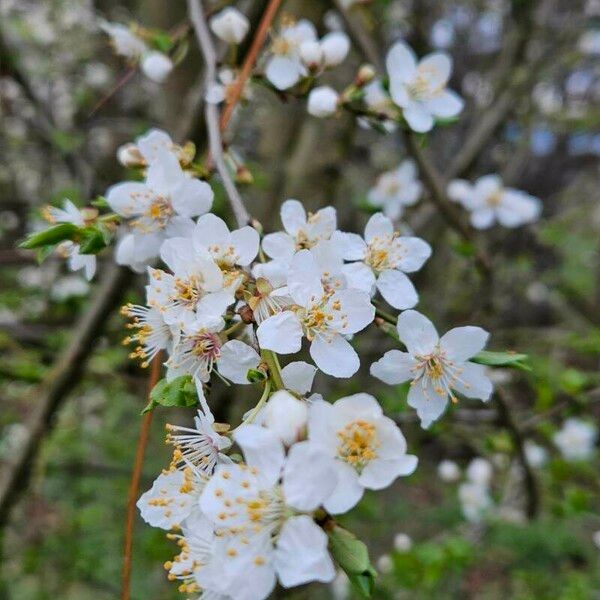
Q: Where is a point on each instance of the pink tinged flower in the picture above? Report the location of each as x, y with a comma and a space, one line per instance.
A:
302, 230
157, 209
385, 257
419, 87
436, 367
324, 317
367, 448
254, 508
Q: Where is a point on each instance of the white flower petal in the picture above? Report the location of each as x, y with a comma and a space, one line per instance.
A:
192, 197
280, 246
309, 477
262, 449
335, 357
304, 279
301, 554
298, 377
429, 404
394, 367
417, 332
401, 62
473, 382
351, 245
397, 289
281, 333
483, 218
246, 241
236, 360
283, 72
348, 490
359, 277
418, 117
378, 226
436, 67
445, 105
293, 216
461, 343
415, 252
379, 474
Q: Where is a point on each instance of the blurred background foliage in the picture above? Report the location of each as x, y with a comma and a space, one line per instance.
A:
64, 538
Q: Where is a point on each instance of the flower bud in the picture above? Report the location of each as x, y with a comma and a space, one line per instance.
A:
129, 156
230, 25
335, 47
365, 74
156, 66
448, 471
311, 54
285, 416
322, 101
479, 471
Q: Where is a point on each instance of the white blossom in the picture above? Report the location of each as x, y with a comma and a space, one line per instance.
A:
285, 67
220, 90
419, 87
323, 316
475, 500
286, 416
576, 439
156, 66
489, 201
230, 25
68, 249
402, 542
159, 208
368, 448
479, 471
302, 230
536, 455
448, 471
124, 41
381, 260
436, 367
254, 508
385, 565
396, 189
335, 47
322, 101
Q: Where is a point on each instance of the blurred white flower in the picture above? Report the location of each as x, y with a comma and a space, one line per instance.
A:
69, 287
576, 439
489, 201
230, 25
385, 564
340, 586
419, 88
448, 471
479, 471
396, 189
156, 66
475, 500
124, 41
322, 101
402, 542
536, 455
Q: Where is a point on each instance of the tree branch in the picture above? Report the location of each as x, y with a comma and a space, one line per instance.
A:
211, 112
52, 392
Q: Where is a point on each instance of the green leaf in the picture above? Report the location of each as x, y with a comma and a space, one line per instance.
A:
511, 360
43, 253
178, 392
100, 202
161, 41
51, 236
94, 238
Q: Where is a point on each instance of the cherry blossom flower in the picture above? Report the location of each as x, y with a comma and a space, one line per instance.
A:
148, 147
489, 201
230, 25
396, 189
220, 90
148, 331
436, 367
156, 66
419, 88
302, 230
284, 67
254, 509
196, 286
285, 415
68, 249
382, 259
159, 208
322, 101
368, 449
124, 40
323, 316
227, 249
576, 439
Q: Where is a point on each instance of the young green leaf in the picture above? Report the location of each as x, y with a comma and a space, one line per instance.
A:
178, 392
502, 359
51, 236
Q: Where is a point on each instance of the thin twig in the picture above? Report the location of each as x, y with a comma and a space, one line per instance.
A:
249, 61
211, 112
134, 484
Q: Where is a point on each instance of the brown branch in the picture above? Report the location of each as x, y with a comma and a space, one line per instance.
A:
134, 484
249, 61
211, 112
52, 392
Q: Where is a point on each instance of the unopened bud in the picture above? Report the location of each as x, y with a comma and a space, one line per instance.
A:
129, 156
335, 47
322, 101
311, 54
243, 175
365, 74
230, 25
157, 66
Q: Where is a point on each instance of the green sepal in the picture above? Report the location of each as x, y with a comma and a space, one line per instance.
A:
94, 238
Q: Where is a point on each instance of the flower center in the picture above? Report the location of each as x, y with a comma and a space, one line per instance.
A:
358, 443
156, 217
319, 318
420, 88
188, 291
494, 199
380, 255
206, 345
281, 46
